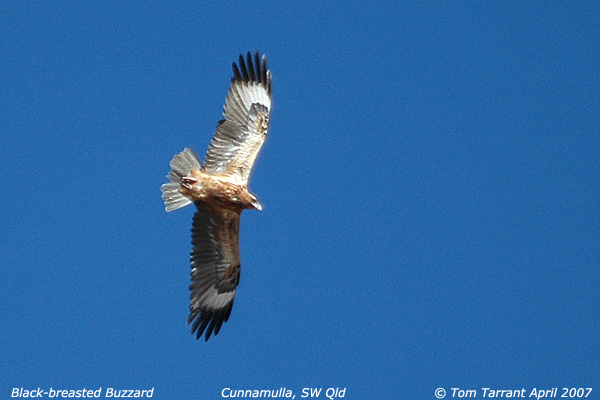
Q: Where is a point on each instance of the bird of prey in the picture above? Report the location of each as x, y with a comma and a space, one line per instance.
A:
219, 190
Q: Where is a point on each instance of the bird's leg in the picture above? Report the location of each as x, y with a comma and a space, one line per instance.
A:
191, 179
188, 181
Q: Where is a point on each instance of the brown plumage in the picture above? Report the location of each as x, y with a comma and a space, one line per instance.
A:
219, 189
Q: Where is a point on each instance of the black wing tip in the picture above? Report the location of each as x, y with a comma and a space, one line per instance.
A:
208, 322
252, 69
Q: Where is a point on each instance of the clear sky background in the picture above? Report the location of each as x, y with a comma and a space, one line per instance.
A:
430, 184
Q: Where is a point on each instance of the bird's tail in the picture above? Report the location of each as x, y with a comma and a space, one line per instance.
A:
181, 165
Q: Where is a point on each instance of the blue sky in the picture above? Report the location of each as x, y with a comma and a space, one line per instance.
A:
430, 188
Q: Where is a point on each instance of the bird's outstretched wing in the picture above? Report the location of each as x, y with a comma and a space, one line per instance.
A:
241, 134
215, 268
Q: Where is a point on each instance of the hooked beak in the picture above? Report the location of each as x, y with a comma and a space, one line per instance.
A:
256, 204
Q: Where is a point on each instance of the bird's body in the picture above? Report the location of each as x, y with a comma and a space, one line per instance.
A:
219, 190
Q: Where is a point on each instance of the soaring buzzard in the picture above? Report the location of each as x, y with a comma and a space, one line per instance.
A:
219, 189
